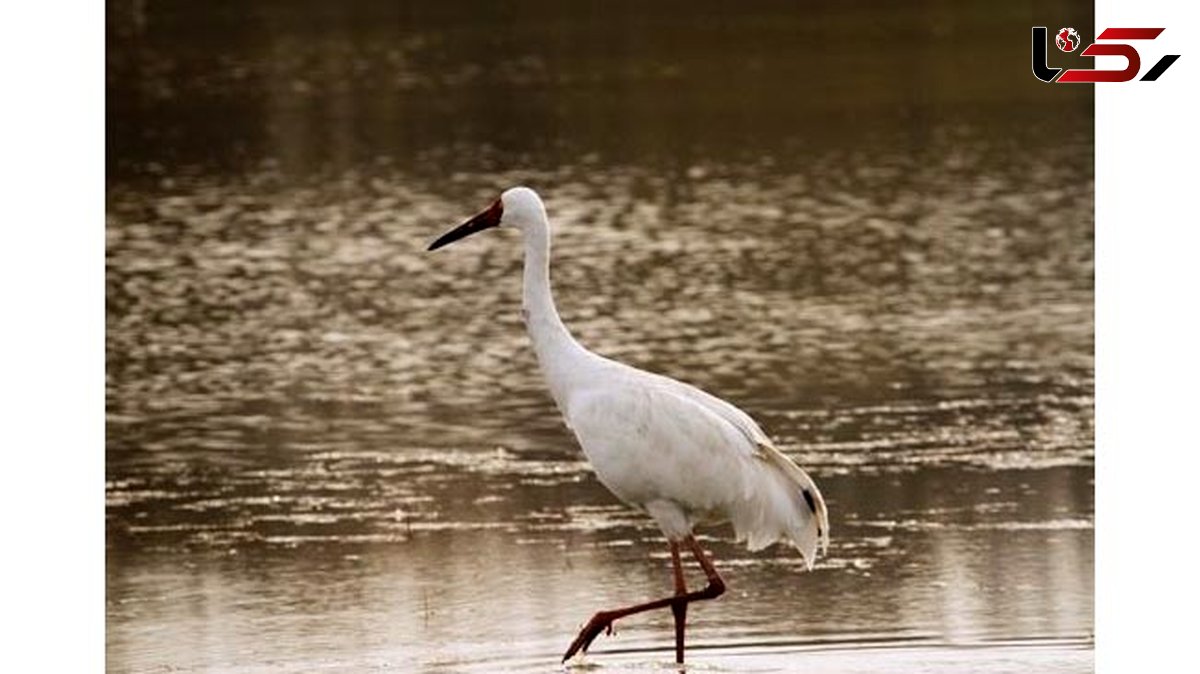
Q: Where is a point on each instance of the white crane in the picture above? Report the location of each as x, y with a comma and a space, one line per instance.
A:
681, 455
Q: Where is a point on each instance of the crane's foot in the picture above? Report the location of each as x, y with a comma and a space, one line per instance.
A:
601, 622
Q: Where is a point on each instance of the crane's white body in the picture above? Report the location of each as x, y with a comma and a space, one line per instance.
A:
680, 454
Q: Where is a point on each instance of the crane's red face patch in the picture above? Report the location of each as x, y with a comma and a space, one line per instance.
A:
493, 213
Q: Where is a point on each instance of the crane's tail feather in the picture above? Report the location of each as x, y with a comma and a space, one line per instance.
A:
786, 506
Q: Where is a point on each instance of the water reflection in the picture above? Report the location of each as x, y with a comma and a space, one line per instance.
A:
328, 450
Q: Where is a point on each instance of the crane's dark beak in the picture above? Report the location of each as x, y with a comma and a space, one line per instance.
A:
485, 220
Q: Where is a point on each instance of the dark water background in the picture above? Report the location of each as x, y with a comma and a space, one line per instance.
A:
327, 450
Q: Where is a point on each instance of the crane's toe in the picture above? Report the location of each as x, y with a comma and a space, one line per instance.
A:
601, 622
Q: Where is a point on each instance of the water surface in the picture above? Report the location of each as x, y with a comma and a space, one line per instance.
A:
331, 451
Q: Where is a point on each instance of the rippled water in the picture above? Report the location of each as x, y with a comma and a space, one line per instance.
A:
331, 451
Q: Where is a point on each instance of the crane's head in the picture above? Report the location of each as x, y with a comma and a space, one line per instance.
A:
518, 207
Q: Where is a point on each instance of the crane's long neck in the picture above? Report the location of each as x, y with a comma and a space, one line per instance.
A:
558, 353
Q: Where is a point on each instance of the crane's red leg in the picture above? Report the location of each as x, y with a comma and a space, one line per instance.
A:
602, 621
710, 571
678, 608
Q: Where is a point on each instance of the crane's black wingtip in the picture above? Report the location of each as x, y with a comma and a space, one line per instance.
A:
808, 498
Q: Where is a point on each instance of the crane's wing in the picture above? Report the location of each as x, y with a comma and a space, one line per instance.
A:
653, 438
764, 449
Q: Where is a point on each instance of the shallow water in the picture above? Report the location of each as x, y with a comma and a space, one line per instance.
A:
331, 451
